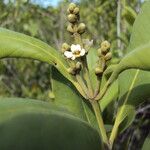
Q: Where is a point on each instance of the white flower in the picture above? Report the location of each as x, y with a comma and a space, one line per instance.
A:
76, 51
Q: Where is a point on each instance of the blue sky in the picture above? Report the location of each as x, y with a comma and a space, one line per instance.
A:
43, 3
46, 3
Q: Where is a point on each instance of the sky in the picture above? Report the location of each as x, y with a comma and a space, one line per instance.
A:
46, 3
43, 3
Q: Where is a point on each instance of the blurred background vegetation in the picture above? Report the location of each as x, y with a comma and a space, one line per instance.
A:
105, 19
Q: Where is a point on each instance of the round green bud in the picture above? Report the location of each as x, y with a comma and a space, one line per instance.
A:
72, 18
108, 56
71, 71
99, 52
65, 47
76, 11
51, 95
78, 65
81, 28
105, 45
70, 28
68, 11
104, 50
72, 6
98, 71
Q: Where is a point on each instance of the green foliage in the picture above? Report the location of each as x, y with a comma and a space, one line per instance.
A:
23, 46
146, 144
67, 96
29, 124
134, 84
129, 14
110, 96
122, 81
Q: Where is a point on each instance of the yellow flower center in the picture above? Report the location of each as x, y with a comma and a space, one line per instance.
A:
77, 53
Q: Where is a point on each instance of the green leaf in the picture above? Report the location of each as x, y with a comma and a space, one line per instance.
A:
129, 14
29, 124
111, 95
138, 49
13, 44
146, 144
134, 90
92, 58
67, 96
110, 70
134, 84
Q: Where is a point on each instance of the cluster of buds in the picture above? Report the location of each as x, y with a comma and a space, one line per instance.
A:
73, 18
73, 52
75, 68
104, 56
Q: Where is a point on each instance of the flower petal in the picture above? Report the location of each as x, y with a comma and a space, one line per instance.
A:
82, 53
78, 47
73, 57
73, 47
68, 54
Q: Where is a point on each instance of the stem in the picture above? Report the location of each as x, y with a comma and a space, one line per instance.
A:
113, 134
102, 93
88, 81
102, 64
121, 111
87, 77
78, 40
107, 85
81, 91
98, 84
100, 122
119, 27
82, 84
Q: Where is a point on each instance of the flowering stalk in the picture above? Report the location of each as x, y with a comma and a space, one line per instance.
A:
75, 54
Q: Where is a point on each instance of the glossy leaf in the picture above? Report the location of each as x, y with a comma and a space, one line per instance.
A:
137, 59
13, 44
29, 124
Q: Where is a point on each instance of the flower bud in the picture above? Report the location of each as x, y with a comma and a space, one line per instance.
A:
71, 71
78, 65
51, 95
104, 50
76, 11
68, 11
99, 52
98, 71
72, 6
65, 47
81, 28
108, 56
70, 28
72, 18
105, 45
